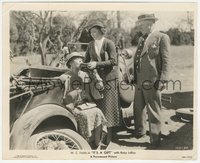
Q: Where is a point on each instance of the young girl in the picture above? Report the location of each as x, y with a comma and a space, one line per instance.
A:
101, 55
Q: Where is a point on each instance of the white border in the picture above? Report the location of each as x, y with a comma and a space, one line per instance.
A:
198, 52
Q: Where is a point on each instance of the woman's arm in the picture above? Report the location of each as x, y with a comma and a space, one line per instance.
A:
87, 55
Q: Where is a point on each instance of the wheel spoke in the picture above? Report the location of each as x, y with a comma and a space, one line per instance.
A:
54, 136
72, 147
56, 141
42, 143
68, 141
58, 136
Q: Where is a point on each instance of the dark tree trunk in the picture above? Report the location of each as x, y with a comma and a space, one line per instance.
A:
118, 20
43, 46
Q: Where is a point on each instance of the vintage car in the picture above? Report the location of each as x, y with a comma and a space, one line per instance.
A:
39, 120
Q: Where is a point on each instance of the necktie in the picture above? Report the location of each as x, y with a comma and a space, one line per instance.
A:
138, 53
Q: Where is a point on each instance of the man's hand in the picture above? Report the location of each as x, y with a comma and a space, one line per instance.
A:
162, 85
130, 80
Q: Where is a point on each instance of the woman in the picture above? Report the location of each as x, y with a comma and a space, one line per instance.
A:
78, 99
101, 55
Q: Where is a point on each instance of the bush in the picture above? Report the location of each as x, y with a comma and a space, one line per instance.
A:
178, 37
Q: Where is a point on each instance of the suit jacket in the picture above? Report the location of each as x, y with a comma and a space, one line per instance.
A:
108, 63
154, 58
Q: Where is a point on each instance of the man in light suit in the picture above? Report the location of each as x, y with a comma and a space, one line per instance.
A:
151, 72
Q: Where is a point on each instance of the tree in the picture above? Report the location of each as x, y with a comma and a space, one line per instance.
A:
44, 27
118, 20
13, 34
135, 35
179, 37
186, 24
35, 27
26, 29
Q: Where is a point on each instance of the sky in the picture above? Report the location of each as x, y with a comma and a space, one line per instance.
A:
166, 19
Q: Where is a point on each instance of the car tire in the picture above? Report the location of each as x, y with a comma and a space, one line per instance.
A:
66, 139
185, 114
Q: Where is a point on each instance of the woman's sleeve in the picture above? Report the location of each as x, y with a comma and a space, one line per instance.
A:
87, 55
111, 50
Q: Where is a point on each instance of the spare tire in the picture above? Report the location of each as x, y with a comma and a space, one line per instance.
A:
185, 114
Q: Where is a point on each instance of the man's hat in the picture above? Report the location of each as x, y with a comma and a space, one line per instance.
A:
146, 17
73, 55
95, 23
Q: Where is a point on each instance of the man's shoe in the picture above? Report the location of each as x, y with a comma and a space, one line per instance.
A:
154, 145
138, 136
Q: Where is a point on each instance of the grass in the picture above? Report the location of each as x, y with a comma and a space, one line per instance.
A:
182, 66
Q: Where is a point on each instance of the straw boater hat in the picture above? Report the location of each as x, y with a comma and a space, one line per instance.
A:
72, 56
145, 17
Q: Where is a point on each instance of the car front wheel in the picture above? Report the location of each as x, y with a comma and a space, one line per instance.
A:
62, 139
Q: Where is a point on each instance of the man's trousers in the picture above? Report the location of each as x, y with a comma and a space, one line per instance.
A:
148, 100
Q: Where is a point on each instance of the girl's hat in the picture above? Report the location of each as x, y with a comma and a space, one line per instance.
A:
95, 23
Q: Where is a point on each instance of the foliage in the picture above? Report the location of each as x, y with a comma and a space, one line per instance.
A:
39, 32
135, 35
120, 37
62, 33
178, 37
47, 32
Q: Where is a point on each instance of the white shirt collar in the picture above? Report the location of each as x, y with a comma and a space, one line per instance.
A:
100, 41
98, 45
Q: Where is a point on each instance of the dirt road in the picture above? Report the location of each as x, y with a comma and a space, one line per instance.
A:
176, 135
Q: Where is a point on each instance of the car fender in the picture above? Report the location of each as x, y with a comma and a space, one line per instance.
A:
27, 123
